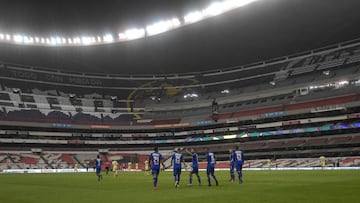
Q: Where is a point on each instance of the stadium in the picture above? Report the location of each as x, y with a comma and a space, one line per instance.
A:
277, 79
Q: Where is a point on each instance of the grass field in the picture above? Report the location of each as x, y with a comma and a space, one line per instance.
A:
133, 187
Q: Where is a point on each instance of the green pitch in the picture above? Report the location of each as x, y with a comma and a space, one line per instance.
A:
134, 187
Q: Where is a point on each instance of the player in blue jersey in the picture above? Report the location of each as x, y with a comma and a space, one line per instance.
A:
155, 161
238, 158
232, 166
194, 166
176, 160
210, 169
98, 164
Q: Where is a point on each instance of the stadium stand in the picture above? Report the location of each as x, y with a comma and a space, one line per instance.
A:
301, 107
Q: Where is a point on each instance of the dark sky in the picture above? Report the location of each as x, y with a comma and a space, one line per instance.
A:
260, 31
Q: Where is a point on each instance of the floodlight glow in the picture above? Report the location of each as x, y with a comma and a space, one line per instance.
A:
162, 26
158, 28
85, 40
193, 17
76, 40
28, 40
240, 3
344, 82
108, 38
175, 22
214, 9
53, 40
58, 40
192, 95
226, 91
134, 34
18, 38
122, 36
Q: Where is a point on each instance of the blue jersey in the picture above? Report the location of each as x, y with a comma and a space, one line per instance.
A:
155, 159
238, 157
231, 159
98, 163
177, 159
195, 161
210, 158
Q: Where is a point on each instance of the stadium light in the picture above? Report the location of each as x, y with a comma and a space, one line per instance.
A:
162, 26
343, 82
85, 40
193, 17
214, 9
28, 40
108, 38
53, 41
58, 40
18, 38
134, 34
192, 95
76, 40
226, 91
239, 3
327, 72
122, 36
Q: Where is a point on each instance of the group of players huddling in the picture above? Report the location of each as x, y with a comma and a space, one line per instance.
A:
236, 159
236, 162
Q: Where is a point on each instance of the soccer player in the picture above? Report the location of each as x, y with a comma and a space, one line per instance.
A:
176, 160
98, 164
155, 161
269, 164
146, 167
238, 157
75, 168
115, 166
129, 166
194, 166
322, 162
232, 166
136, 166
210, 169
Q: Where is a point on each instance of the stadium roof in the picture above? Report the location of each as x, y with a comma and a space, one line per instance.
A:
259, 31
